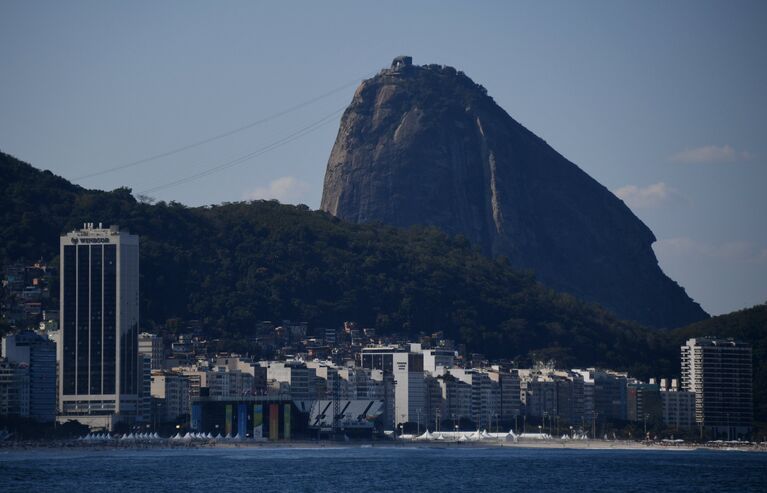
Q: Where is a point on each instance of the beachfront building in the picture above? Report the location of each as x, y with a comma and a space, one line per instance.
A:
605, 393
678, 405
484, 399
549, 393
99, 364
643, 402
719, 372
404, 370
508, 404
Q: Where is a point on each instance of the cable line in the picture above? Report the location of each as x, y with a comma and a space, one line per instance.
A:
329, 118
221, 135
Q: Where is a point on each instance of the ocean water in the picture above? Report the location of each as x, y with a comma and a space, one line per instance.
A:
387, 469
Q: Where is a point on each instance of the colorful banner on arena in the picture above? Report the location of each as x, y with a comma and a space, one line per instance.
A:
228, 422
258, 421
242, 420
286, 421
274, 421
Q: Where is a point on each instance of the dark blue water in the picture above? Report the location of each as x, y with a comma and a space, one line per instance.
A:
381, 469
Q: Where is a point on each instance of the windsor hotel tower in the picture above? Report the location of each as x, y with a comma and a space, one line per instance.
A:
99, 314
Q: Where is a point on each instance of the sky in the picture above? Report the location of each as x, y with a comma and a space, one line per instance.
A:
662, 102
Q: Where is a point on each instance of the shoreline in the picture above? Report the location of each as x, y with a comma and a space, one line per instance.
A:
601, 445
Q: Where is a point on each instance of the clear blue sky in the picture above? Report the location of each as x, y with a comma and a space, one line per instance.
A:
662, 102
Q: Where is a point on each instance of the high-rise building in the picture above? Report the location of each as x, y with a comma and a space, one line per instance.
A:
405, 371
719, 371
38, 353
100, 369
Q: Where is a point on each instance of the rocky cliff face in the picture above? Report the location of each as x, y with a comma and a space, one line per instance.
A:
426, 145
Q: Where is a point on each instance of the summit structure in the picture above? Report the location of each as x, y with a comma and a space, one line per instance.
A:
425, 145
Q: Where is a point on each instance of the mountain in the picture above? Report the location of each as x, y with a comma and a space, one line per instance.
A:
424, 145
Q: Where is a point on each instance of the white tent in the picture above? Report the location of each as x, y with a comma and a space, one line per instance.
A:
535, 436
425, 436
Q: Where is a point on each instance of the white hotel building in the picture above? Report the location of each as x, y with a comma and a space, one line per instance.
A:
98, 357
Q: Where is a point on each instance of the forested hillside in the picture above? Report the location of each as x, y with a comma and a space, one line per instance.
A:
234, 264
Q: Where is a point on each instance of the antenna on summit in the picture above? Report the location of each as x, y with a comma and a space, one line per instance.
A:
401, 62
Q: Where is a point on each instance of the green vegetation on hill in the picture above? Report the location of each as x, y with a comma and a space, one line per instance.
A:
234, 264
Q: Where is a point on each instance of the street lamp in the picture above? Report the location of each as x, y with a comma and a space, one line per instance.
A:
418, 413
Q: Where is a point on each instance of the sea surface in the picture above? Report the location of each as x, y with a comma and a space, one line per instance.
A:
376, 469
